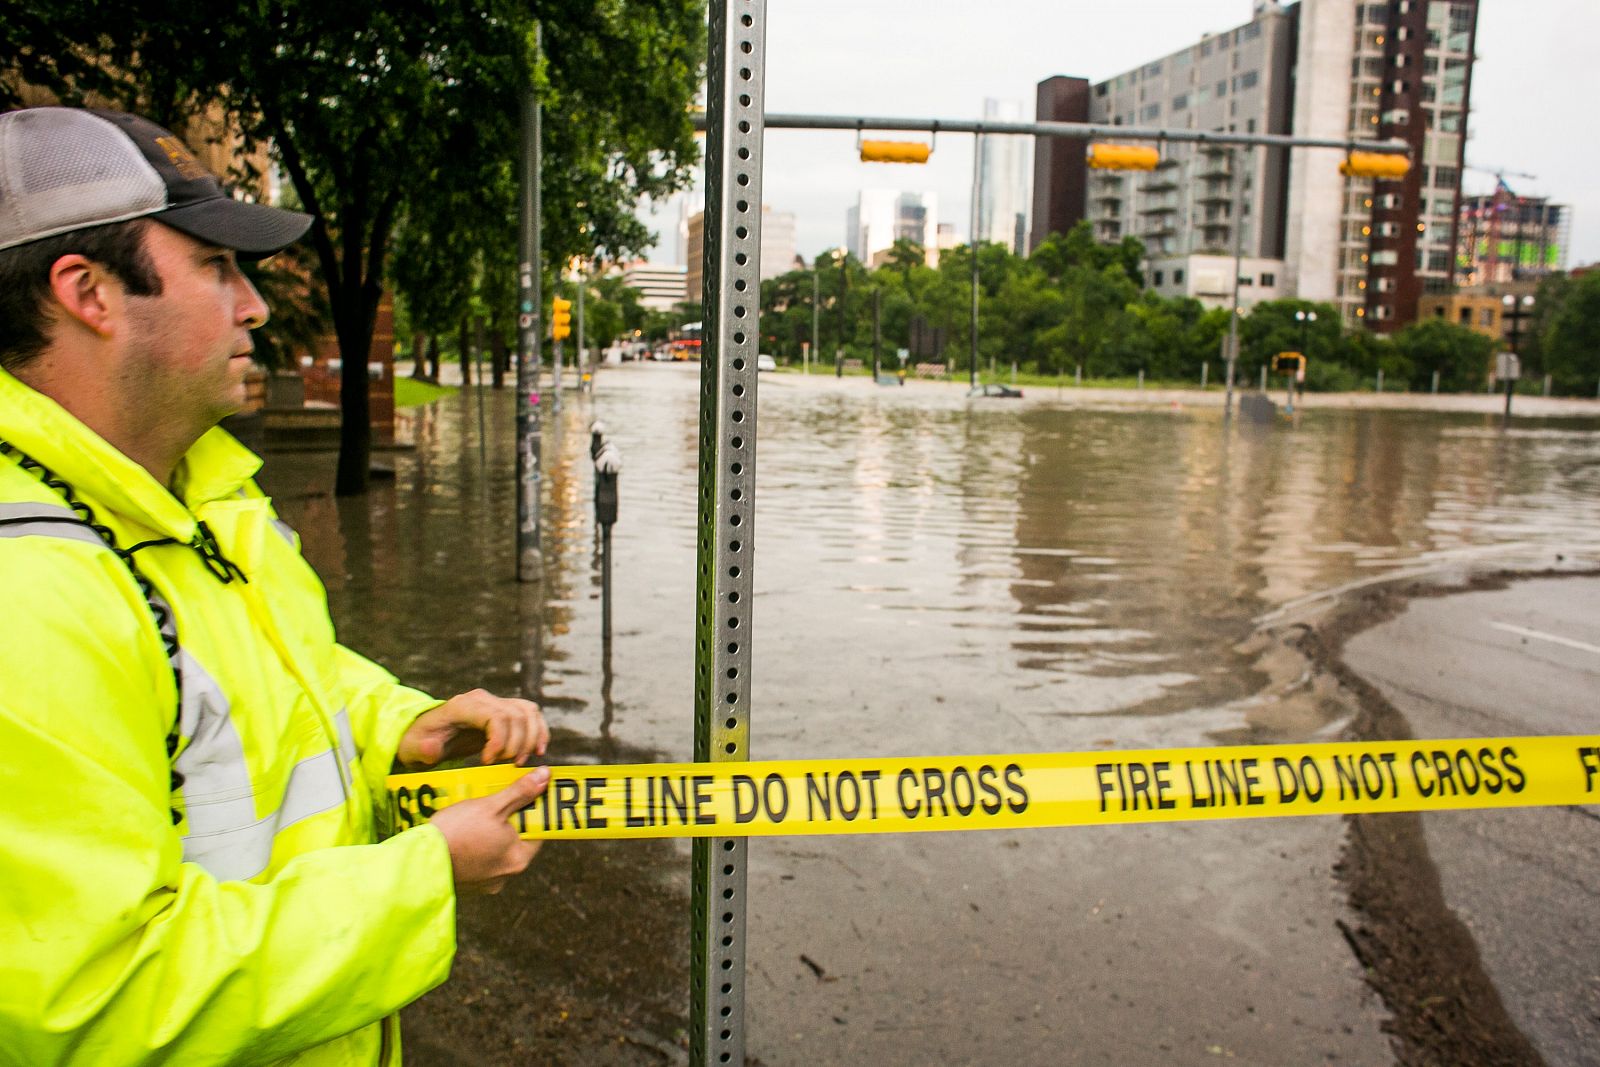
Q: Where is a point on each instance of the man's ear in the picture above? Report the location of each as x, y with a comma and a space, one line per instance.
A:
86, 294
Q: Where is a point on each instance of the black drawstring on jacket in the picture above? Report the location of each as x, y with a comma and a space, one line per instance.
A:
205, 545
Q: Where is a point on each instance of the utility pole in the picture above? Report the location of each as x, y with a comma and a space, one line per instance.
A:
816, 289
977, 194
584, 379
877, 332
1238, 255
844, 300
530, 565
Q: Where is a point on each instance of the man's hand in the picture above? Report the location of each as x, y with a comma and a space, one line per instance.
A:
485, 851
507, 728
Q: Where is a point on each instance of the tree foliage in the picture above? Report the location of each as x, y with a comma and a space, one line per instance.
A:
402, 119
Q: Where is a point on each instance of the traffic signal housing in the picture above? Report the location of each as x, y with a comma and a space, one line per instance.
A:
1392, 165
895, 152
560, 318
1122, 157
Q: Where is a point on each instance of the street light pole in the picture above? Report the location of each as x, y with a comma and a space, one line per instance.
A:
1516, 314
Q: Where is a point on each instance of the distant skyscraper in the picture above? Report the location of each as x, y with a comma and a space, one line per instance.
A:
883, 216
1003, 208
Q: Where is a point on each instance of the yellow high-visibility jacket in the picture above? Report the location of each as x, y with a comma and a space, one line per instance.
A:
247, 915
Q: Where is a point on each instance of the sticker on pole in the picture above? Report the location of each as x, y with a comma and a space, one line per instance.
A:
899, 795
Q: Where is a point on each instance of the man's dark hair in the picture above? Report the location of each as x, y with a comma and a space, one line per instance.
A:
25, 281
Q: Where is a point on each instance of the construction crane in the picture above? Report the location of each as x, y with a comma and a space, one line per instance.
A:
1499, 203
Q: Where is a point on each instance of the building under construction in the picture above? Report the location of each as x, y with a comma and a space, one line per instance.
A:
1504, 237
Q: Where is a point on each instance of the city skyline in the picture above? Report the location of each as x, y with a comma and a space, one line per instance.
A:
1517, 116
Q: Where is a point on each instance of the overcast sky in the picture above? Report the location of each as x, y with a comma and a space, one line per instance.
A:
1534, 92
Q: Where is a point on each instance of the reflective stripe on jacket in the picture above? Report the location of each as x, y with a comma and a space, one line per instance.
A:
267, 925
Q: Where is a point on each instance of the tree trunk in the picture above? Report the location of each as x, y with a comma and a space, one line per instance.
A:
419, 347
353, 322
501, 353
433, 359
466, 354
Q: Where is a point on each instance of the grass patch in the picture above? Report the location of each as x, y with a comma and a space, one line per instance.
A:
409, 393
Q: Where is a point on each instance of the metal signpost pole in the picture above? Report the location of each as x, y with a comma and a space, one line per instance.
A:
530, 566
726, 541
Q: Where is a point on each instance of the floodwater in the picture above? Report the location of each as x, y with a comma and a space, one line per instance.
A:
933, 576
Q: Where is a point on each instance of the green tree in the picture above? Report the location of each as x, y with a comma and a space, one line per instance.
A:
1569, 342
1460, 355
376, 108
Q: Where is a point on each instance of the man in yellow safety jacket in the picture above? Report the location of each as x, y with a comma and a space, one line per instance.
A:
194, 768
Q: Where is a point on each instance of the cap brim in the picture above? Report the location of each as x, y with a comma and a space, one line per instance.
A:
252, 230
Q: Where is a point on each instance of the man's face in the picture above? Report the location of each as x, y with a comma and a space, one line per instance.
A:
189, 348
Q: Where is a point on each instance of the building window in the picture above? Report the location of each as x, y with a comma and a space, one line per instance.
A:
1205, 47
1153, 70
1245, 279
1222, 88
1464, 316
1155, 278
1151, 111
1268, 279
1100, 90
1180, 101
1177, 277
1248, 79
1250, 126
1486, 317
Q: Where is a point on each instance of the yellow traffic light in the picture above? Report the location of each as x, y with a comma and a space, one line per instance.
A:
895, 152
1123, 157
1375, 165
560, 318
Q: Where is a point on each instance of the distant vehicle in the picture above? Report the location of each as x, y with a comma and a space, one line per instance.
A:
685, 345
662, 355
766, 362
996, 390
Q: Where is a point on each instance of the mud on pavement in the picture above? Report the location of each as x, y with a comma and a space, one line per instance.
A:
1419, 957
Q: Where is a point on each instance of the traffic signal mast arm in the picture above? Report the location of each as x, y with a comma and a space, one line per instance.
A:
1082, 131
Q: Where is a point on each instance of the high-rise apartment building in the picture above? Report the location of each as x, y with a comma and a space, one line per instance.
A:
1335, 69
1060, 179
1234, 81
1400, 69
1003, 170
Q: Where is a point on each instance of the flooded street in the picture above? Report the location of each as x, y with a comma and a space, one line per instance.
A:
933, 576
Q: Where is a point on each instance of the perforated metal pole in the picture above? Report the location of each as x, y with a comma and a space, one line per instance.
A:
530, 564
726, 544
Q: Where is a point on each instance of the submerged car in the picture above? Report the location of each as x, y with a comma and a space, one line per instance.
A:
995, 389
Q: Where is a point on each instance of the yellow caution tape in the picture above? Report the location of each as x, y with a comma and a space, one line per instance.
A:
897, 795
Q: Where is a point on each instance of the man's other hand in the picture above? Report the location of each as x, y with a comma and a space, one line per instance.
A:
508, 729
485, 851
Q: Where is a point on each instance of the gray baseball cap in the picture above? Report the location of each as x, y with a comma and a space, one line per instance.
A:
65, 169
